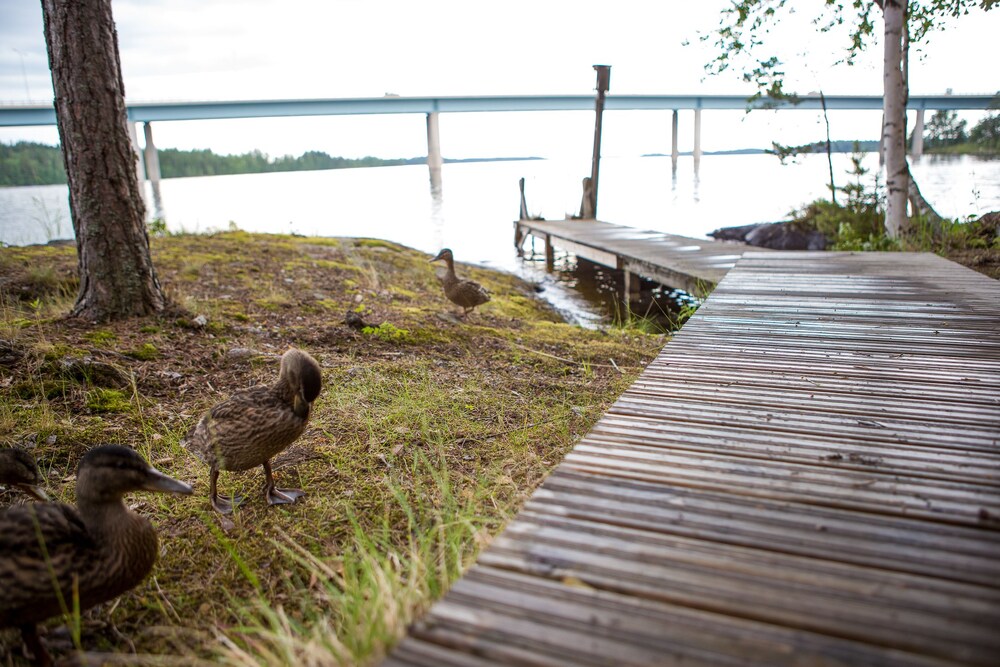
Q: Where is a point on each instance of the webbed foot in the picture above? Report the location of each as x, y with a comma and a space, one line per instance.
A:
277, 496
225, 504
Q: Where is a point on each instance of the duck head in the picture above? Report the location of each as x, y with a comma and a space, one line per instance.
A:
445, 254
108, 472
302, 373
18, 469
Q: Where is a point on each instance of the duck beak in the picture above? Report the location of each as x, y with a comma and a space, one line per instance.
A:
35, 492
439, 255
157, 481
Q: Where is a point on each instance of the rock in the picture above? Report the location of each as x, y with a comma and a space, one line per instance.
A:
201, 321
774, 235
354, 320
97, 373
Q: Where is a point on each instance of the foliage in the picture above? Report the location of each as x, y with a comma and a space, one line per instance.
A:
986, 133
745, 24
945, 129
30, 163
855, 225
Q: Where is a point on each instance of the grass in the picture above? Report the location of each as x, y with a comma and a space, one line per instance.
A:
428, 435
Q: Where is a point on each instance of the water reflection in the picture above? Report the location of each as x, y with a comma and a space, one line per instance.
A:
662, 308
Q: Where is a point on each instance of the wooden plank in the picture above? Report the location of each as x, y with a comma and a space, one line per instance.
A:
919, 547
573, 625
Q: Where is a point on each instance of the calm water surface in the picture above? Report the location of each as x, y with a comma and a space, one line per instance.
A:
473, 211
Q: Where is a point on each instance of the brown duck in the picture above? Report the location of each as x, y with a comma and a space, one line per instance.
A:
18, 470
254, 425
100, 546
462, 292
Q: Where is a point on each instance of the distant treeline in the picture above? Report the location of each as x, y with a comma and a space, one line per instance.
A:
29, 163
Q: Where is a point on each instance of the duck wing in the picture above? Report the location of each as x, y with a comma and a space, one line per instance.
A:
246, 430
468, 293
40, 543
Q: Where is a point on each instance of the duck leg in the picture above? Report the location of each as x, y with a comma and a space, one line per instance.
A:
29, 633
221, 504
276, 496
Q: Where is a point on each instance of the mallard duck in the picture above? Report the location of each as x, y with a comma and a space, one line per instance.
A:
97, 550
18, 469
254, 425
462, 292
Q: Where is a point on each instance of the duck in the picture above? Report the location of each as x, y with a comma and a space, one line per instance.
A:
18, 470
95, 551
252, 426
462, 292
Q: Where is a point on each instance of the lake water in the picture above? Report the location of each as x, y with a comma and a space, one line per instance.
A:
474, 209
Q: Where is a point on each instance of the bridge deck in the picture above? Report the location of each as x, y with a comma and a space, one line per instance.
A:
809, 473
691, 264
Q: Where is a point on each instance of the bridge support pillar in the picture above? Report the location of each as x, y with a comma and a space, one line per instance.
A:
697, 135
152, 157
674, 148
140, 168
917, 149
434, 160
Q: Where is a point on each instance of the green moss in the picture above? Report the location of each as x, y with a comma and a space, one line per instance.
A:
101, 338
388, 332
107, 400
144, 352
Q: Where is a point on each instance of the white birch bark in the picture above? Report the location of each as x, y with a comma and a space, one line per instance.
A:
894, 128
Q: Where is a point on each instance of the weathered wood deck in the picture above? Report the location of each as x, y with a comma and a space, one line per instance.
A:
694, 265
809, 473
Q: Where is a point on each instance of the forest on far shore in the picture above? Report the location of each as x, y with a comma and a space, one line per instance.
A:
30, 163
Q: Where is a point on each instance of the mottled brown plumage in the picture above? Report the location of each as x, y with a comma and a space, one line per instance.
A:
254, 425
462, 292
100, 545
18, 469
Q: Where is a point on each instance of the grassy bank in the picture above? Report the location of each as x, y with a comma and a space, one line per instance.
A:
429, 433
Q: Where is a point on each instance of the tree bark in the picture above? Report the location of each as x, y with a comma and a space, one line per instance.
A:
117, 278
894, 128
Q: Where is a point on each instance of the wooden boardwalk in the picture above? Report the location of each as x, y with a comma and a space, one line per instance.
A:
808, 474
694, 265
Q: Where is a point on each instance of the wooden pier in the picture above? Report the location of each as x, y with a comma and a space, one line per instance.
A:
807, 474
693, 265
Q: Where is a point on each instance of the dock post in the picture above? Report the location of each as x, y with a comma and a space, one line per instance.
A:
603, 85
697, 135
917, 149
140, 168
674, 149
434, 160
631, 291
152, 157
550, 254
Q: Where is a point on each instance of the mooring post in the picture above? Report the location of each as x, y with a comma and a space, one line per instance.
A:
550, 254
631, 291
603, 84
152, 157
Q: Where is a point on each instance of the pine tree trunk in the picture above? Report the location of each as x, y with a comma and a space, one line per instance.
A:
894, 128
117, 278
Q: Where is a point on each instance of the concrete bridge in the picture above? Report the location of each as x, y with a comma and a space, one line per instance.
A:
150, 112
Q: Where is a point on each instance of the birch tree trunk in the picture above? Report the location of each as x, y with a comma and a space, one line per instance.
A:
117, 278
894, 128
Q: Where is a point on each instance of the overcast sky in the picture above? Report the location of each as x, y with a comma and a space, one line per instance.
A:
271, 49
